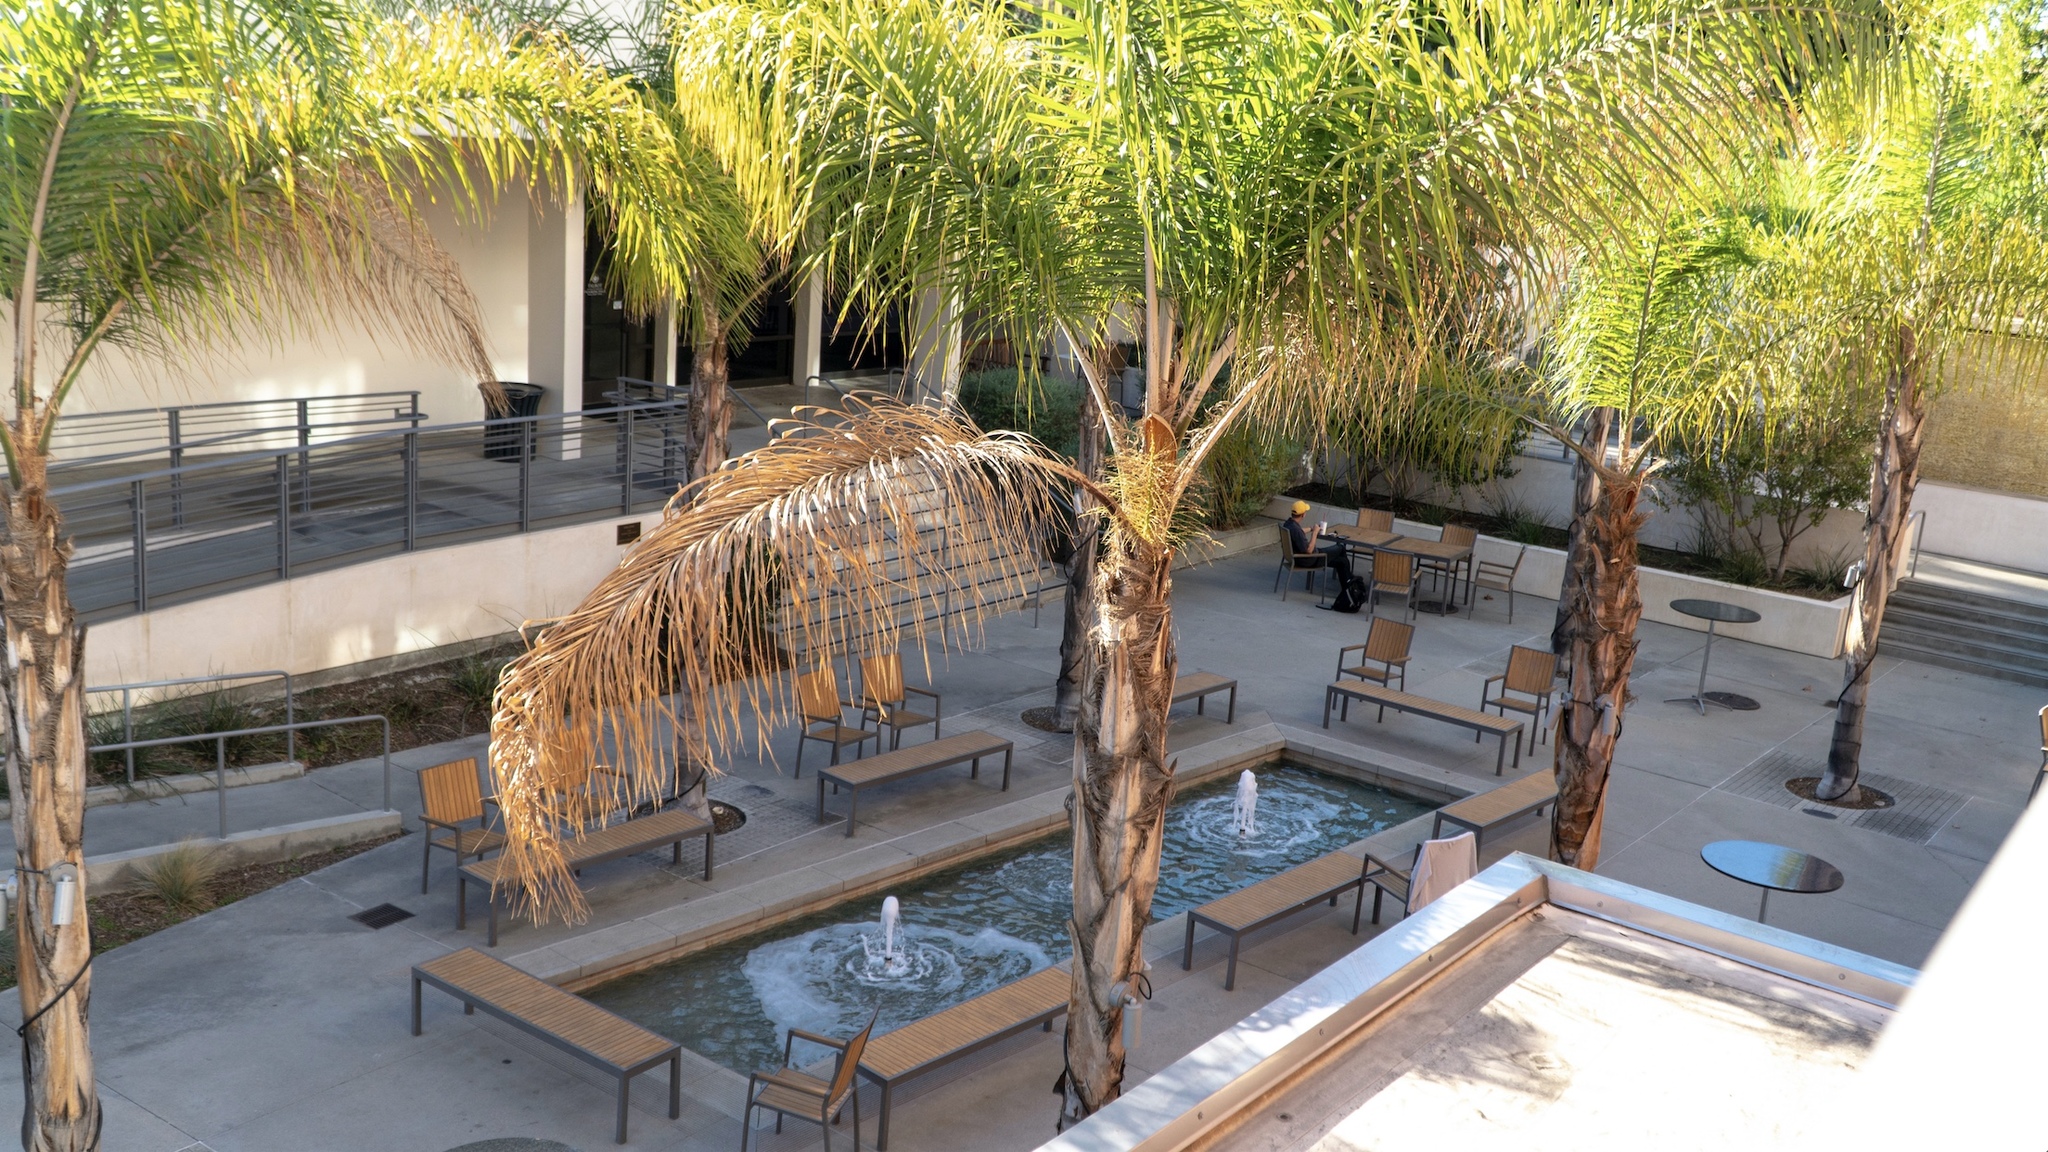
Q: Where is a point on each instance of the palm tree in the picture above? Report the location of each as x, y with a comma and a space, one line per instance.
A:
1273, 188
176, 176
1935, 240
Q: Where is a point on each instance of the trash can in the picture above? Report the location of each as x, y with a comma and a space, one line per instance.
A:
502, 431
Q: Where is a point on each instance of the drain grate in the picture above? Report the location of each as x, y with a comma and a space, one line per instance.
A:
1920, 810
382, 916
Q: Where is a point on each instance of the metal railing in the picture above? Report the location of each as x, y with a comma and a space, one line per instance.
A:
177, 432
220, 751
225, 523
127, 691
1916, 526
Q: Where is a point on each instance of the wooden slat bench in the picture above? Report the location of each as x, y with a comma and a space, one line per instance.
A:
567, 1021
1385, 698
1198, 686
963, 1029
626, 838
1275, 897
897, 764
1489, 810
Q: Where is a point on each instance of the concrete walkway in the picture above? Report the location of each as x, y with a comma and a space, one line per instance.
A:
277, 1023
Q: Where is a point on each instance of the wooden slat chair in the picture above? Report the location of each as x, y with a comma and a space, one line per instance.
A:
2043, 773
1393, 572
451, 797
1531, 674
1463, 537
824, 712
1501, 577
883, 696
1376, 519
788, 1092
1310, 564
1387, 645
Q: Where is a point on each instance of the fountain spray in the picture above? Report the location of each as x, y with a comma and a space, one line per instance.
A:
891, 913
1243, 811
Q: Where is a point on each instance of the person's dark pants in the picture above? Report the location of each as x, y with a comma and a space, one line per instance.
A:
1338, 557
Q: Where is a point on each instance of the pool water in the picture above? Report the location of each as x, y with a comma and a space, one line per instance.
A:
967, 930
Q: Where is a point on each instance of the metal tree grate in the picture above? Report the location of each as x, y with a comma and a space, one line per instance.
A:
382, 916
1918, 813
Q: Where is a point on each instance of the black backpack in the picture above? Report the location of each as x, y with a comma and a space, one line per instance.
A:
1352, 596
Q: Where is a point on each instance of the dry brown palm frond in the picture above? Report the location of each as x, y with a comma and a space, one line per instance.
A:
810, 545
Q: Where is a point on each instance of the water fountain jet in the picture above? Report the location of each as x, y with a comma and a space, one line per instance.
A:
892, 912
1244, 811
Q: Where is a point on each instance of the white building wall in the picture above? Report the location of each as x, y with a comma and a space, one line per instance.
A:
303, 359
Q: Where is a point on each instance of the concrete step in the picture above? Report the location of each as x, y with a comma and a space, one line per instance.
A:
1971, 630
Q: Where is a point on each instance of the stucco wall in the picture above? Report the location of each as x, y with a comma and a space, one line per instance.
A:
304, 360
363, 612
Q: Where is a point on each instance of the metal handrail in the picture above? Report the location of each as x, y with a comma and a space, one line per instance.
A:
220, 751
404, 406
127, 691
1917, 525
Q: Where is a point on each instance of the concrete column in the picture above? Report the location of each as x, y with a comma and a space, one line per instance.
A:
554, 302
667, 347
808, 304
935, 351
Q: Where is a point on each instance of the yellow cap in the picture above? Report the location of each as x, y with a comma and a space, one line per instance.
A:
1300, 506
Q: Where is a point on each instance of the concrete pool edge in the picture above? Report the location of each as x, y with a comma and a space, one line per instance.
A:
616, 950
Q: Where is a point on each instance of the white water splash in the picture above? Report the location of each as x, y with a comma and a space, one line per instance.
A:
892, 913
1244, 810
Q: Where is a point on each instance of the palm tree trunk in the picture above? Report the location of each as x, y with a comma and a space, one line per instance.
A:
710, 394
1571, 600
1894, 472
1080, 605
1122, 783
1605, 607
45, 695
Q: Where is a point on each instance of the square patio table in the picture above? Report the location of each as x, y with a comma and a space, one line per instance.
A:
1444, 558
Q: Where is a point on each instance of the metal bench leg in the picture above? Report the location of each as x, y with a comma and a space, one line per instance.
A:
1006, 768
1199, 701
1377, 892
1329, 698
461, 901
1187, 956
415, 1005
625, 1086
675, 851
1230, 973
882, 1134
1500, 758
427, 855
974, 768
1231, 717
821, 799
852, 806
675, 1086
1358, 907
494, 919
707, 852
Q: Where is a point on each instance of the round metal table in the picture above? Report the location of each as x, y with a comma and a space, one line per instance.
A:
1714, 612
1771, 867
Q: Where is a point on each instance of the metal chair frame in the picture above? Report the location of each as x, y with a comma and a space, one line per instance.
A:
1393, 572
831, 1096
818, 697
1532, 674
1491, 570
1310, 563
1386, 644
450, 797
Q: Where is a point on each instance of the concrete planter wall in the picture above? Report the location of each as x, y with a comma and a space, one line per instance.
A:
1794, 623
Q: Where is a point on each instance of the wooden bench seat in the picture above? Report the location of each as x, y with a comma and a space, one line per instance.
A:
1198, 686
626, 838
1488, 810
1249, 909
965, 1028
964, 748
1385, 698
567, 1021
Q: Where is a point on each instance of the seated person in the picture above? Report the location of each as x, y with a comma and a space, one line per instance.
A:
1331, 553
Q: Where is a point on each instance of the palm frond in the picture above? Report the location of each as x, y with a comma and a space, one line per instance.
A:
805, 548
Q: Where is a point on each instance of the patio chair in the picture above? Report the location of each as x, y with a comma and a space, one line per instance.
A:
1311, 563
817, 693
788, 1092
1386, 645
1393, 572
451, 797
2043, 773
1376, 519
1463, 537
1450, 862
882, 695
1532, 676
1500, 577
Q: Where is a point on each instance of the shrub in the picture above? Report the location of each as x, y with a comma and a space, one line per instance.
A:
183, 877
1046, 408
474, 680
1242, 472
218, 710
